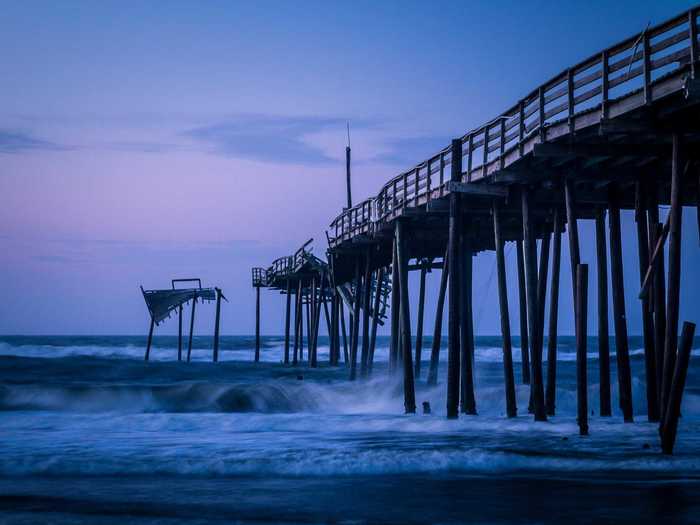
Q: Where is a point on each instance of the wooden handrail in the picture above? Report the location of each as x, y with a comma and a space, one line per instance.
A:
636, 56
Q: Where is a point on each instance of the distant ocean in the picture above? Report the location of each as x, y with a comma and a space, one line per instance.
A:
90, 433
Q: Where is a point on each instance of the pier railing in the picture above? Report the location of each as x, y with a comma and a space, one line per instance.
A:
632, 69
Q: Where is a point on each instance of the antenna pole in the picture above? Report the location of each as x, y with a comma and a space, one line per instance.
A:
347, 169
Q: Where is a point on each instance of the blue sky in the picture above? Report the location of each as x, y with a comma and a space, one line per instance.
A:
141, 141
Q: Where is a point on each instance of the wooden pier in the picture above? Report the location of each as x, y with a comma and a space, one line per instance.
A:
618, 131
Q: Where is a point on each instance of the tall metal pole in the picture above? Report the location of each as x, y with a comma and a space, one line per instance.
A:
347, 169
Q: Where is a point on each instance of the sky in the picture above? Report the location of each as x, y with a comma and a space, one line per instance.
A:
145, 141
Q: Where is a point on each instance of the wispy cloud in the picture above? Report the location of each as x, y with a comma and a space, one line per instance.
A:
16, 141
276, 139
407, 152
145, 147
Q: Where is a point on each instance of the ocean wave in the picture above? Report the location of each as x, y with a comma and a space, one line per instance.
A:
272, 350
236, 445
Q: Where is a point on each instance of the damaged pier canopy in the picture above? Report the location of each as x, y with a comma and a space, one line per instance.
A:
162, 303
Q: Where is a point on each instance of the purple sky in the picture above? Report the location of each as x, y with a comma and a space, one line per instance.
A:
141, 141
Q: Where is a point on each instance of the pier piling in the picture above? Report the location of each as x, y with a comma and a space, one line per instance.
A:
673, 410
624, 375
522, 303
257, 323
217, 323
189, 346
467, 396
647, 320
419, 322
150, 339
179, 333
366, 297
288, 301
551, 392
581, 348
603, 332
379, 279
530, 255
454, 260
437, 330
408, 380
674, 271
508, 376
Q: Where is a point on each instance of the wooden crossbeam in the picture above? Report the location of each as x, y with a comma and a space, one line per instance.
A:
600, 150
487, 190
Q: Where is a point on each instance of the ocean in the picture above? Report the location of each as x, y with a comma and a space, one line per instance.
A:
90, 433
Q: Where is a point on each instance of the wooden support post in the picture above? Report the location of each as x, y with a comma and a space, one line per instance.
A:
551, 392
658, 286
532, 309
333, 356
315, 324
419, 323
697, 207
647, 319
437, 330
603, 332
674, 271
508, 376
346, 358
455, 261
395, 305
538, 343
309, 328
467, 398
408, 381
286, 322
257, 321
673, 409
326, 315
542, 289
624, 376
217, 326
297, 324
659, 318
574, 251
301, 325
189, 346
147, 356
656, 258
312, 321
366, 297
581, 347
354, 339
375, 318
522, 301
179, 333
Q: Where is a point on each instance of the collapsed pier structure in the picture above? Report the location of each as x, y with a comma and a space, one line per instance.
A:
618, 131
162, 303
309, 280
